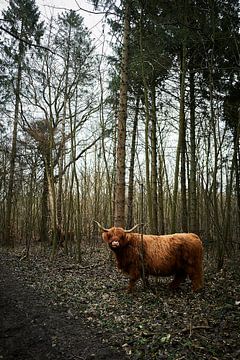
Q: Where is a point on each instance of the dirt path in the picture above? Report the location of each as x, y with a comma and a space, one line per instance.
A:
32, 328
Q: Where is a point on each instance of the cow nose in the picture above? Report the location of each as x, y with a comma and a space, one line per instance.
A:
114, 243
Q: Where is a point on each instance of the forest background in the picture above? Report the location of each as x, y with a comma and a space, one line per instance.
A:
139, 125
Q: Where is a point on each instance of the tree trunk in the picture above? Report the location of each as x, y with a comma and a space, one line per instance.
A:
119, 213
131, 170
44, 236
154, 229
147, 122
161, 217
109, 219
214, 199
52, 202
175, 191
52, 208
193, 194
182, 138
9, 240
63, 140
78, 221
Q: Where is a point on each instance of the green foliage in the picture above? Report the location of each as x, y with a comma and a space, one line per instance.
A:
71, 31
209, 31
23, 28
22, 20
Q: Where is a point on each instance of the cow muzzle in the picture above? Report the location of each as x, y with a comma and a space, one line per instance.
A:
114, 244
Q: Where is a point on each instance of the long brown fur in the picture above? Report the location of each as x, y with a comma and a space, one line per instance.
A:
178, 254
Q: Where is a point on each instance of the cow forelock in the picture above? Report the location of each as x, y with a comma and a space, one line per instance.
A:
115, 237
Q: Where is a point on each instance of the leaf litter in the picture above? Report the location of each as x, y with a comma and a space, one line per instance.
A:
146, 325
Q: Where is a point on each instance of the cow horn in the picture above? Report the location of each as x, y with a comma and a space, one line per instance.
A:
100, 226
131, 230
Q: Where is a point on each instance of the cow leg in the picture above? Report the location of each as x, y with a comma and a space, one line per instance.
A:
178, 279
145, 281
195, 276
131, 285
134, 276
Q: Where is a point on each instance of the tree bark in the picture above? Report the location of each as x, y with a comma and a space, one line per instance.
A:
182, 138
147, 122
161, 217
9, 240
119, 213
44, 236
193, 194
63, 140
131, 169
175, 191
154, 174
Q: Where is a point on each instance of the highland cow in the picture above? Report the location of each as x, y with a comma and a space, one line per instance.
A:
140, 255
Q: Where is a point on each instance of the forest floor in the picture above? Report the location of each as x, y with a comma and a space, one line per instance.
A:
63, 310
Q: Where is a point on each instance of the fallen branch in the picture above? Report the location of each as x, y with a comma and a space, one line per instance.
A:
79, 267
191, 328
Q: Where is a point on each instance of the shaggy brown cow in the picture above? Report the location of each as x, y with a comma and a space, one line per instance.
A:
176, 254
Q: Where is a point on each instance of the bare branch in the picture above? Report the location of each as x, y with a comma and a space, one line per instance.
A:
94, 12
79, 155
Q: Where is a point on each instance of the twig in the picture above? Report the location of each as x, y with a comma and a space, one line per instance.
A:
107, 12
190, 328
